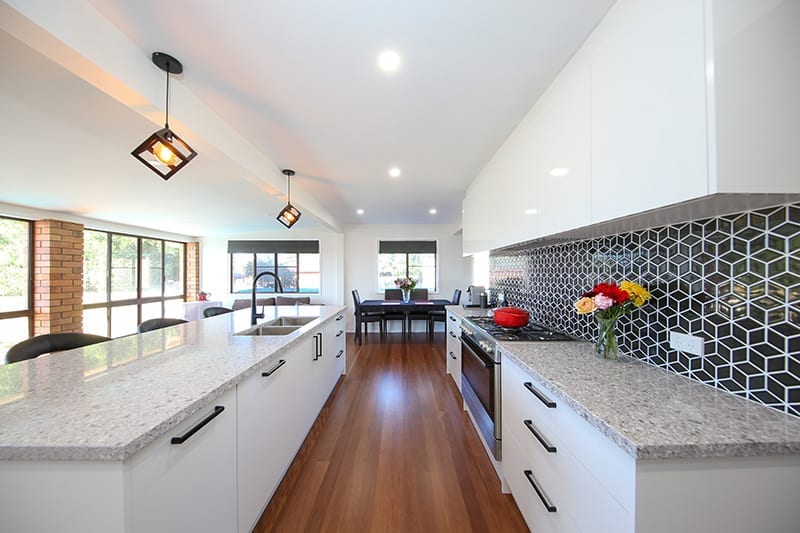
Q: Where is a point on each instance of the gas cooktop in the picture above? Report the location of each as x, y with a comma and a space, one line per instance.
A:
531, 332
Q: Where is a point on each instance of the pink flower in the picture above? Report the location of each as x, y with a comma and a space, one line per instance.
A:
603, 302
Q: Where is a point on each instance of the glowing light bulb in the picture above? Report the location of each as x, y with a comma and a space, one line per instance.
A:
164, 154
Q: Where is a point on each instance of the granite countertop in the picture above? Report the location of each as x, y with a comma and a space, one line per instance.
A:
652, 413
107, 401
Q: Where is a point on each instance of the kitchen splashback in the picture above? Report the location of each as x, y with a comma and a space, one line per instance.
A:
733, 280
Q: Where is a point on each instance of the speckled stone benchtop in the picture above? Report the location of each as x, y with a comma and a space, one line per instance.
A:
652, 413
66, 407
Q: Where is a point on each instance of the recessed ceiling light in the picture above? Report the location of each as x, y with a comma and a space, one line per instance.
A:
389, 60
360, 211
531, 211
395, 172
559, 172
432, 211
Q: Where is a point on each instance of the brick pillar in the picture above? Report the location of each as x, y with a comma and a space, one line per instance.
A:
192, 271
57, 277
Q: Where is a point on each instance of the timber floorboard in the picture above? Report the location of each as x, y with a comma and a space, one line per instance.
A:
392, 450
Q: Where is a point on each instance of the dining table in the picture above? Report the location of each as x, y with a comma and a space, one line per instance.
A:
395, 306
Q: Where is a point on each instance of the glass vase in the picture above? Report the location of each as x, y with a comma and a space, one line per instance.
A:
406, 295
607, 346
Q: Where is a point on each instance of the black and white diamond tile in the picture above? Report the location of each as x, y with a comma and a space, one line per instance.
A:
733, 280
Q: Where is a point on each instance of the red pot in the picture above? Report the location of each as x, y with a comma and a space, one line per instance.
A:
511, 317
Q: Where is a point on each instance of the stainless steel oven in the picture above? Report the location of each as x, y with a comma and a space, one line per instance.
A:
480, 384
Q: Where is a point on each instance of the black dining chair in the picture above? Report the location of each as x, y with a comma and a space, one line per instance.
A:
365, 317
388, 316
441, 316
50, 342
418, 295
214, 311
158, 323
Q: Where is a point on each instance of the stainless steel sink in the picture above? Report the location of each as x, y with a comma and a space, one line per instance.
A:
269, 330
290, 321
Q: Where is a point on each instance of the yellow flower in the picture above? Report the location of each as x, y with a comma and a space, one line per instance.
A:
585, 305
638, 294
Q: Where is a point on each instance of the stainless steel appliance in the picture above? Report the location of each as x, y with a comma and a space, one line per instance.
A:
473, 298
480, 371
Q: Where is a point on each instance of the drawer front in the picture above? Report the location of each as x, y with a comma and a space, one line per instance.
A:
516, 461
607, 462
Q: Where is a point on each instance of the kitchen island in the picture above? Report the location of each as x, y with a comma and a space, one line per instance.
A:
185, 428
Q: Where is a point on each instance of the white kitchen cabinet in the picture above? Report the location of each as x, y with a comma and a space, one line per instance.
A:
268, 438
188, 486
336, 345
453, 348
591, 484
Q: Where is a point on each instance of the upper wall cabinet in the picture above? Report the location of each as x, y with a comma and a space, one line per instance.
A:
648, 102
667, 101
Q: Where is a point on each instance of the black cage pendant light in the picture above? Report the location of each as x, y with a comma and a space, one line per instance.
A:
164, 152
289, 214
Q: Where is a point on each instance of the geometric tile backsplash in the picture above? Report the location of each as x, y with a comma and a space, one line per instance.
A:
733, 280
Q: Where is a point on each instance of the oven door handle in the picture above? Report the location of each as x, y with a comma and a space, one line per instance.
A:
478, 357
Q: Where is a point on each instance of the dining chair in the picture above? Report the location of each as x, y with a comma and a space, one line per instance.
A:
441, 316
48, 343
418, 295
365, 317
158, 323
388, 316
214, 311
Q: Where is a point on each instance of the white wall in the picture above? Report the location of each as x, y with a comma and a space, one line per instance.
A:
361, 260
215, 262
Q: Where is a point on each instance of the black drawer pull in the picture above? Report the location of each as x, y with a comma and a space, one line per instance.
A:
453, 318
339, 317
268, 373
547, 505
452, 334
452, 355
317, 346
549, 403
341, 353
183, 438
547, 446
341, 331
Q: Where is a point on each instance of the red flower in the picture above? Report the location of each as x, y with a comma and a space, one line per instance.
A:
611, 290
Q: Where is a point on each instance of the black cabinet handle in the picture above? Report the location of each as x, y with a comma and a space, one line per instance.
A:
452, 355
453, 318
183, 438
549, 403
317, 340
452, 334
341, 331
268, 373
341, 353
339, 317
320, 345
547, 505
547, 446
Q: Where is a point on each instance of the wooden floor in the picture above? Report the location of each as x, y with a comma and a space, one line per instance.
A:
392, 451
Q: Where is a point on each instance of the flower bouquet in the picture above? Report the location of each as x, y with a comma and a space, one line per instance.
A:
611, 301
406, 285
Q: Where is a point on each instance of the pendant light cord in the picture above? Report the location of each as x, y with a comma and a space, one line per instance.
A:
166, 119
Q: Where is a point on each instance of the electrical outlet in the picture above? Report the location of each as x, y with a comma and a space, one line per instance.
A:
686, 343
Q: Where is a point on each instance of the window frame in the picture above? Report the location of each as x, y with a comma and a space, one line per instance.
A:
407, 243
28, 312
139, 301
275, 268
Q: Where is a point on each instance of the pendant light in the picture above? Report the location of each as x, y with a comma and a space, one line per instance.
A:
289, 214
164, 152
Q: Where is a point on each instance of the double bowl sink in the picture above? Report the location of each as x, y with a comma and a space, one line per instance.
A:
283, 325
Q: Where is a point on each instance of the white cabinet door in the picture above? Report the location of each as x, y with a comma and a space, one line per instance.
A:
269, 434
564, 115
648, 107
478, 232
453, 348
189, 486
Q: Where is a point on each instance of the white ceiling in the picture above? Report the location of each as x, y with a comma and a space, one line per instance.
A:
290, 84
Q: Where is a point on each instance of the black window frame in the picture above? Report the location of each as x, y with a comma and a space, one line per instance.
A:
408, 248
274, 247
28, 312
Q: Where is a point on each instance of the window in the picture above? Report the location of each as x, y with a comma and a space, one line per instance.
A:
15, 282
296, 263
407, 259
129, 279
